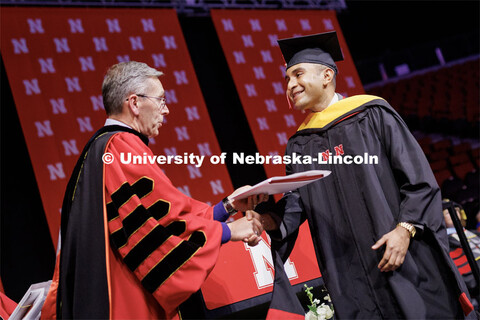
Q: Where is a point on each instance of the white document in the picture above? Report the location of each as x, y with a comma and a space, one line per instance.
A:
32, 302
283, 184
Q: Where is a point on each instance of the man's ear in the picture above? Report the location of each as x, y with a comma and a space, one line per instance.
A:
132, 104
328, 75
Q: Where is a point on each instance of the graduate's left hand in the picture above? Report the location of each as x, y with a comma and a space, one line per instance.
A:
396, 245
248, 203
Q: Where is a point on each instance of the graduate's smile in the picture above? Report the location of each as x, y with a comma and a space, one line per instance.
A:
295, 94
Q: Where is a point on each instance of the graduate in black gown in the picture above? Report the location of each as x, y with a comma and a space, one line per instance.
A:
376, 221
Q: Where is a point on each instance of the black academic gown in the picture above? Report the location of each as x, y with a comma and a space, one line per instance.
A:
83, 289
352, 208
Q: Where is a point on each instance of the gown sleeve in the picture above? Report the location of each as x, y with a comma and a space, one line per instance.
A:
167, 239
419, 191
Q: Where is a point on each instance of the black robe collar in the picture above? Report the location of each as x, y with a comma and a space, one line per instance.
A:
69, 193
115, 127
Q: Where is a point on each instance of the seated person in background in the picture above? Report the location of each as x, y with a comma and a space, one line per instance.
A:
477, 217
456, 250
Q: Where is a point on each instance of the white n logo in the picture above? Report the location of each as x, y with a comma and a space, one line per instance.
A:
136, 43
217, 187
169, 42
258, 71
124, 58
281, 25
204, 149
171, 96
97, 103
58, 106
180, 77
43, 128
194, 172
262, 123
148, 25
158, 60
239, 57
263, 262
328, 24
278, 88
247, 40
305, 24
227, 25
273, 40
100, 44
73, 84
75, 26
46, 65
250, 87
56, 171
20, 46
86, 63
192, 113
113, 25
255, 24
31, 86
35, 26
350, 82
266, 56
70, 147
290, 120
182, 133
271, 106
85, 124
170, 151
282, 138
61, 45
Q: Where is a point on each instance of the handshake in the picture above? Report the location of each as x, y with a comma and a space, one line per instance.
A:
249, 228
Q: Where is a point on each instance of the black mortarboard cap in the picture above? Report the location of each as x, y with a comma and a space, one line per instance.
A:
322, 48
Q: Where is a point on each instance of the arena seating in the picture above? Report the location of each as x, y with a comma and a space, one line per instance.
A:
445, 100
444, 104
457, 172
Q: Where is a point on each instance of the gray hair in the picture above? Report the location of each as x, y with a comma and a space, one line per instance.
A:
123, 79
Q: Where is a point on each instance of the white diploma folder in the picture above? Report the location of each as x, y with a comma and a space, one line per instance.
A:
30, 307
283, 184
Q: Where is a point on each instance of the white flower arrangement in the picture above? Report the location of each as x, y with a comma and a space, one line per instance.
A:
318, 312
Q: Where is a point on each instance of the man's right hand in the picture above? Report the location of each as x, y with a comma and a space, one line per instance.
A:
247, 229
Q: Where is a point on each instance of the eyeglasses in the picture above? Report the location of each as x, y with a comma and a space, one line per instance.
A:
161, 100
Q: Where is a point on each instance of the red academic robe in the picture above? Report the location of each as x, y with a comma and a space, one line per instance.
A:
132, 245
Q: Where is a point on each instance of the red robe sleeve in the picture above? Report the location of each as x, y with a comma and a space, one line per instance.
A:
167, 239
7, 306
